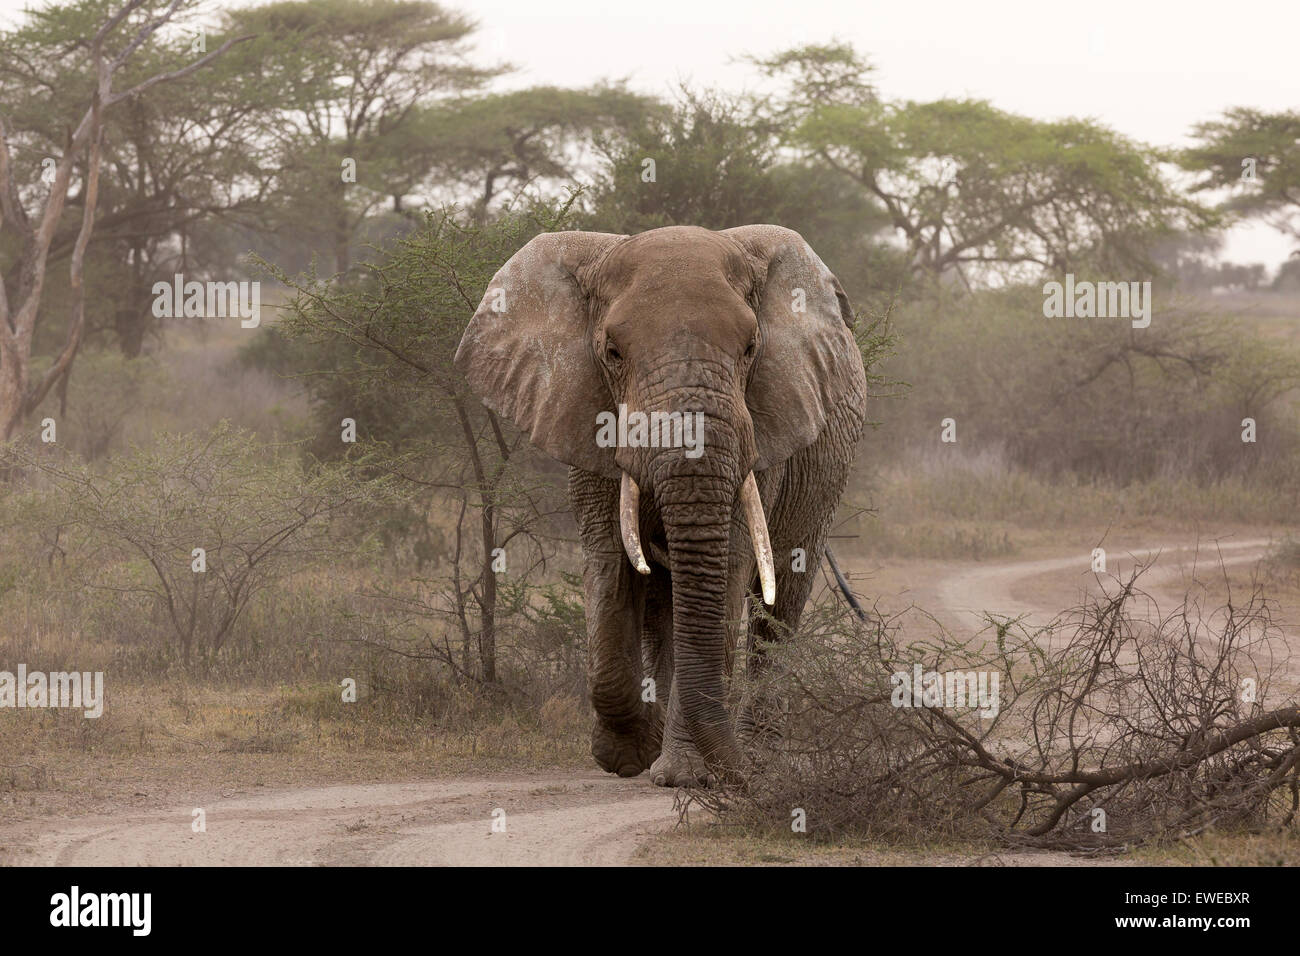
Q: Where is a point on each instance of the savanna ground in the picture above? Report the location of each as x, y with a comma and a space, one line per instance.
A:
287, 776
414, 770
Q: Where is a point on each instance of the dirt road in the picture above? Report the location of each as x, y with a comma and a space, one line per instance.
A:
1042, 589
587, 818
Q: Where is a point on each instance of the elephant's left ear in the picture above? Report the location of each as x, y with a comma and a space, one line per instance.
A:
809, 362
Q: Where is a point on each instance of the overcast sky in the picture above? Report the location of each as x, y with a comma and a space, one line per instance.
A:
1149, 69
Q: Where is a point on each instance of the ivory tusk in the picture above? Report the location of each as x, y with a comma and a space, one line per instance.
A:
629, 522
758, 535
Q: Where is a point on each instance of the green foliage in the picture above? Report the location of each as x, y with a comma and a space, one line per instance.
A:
712, 169
718, 165
381, 351
517, 138
1272, 140
973, 188
182, 151
353, 75
817, 74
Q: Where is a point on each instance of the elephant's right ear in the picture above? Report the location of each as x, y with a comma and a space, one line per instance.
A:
526, 354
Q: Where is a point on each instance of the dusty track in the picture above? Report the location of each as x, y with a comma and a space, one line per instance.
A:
586, 818
1038, 592
997, 587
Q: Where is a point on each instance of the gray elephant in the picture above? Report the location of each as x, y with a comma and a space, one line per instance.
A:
581, 339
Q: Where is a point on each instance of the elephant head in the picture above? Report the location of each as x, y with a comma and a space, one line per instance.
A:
743, 331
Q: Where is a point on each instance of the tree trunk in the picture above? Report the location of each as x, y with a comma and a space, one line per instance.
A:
342, 232
20, 308
487, 635
13, 383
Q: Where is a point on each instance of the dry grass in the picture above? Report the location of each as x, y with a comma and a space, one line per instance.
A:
711, 844
953, 506
1226, 848
714, 845
177, 736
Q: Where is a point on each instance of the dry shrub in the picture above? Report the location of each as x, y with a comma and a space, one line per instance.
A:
1115, 725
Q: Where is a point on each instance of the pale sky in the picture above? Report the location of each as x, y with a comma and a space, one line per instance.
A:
1148, 69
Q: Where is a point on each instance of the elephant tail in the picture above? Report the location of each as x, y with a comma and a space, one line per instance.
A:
844, 585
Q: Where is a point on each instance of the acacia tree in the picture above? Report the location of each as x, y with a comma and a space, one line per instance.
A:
514, 139
111, 46
713, 168
387, 345
1256, 155
354, 74
718, 165
173, 156
972, 189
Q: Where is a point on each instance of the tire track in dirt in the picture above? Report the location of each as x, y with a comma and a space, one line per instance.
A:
586, 818
1041, 591
993, 587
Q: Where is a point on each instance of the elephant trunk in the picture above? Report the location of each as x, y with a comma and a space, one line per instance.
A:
697, 514
629, 519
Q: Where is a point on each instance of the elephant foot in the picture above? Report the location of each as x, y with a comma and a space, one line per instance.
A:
624, 753
681, 768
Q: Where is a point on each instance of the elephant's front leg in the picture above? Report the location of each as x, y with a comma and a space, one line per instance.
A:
626, 737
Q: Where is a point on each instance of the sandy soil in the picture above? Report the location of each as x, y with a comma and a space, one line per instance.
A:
588, 818
549, 819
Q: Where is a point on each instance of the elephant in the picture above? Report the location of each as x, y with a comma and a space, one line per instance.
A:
744, 331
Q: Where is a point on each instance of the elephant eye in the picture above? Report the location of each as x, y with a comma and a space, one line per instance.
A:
612, 352
753, 345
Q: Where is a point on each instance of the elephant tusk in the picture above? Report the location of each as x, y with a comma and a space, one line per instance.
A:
758, 535
629, 522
